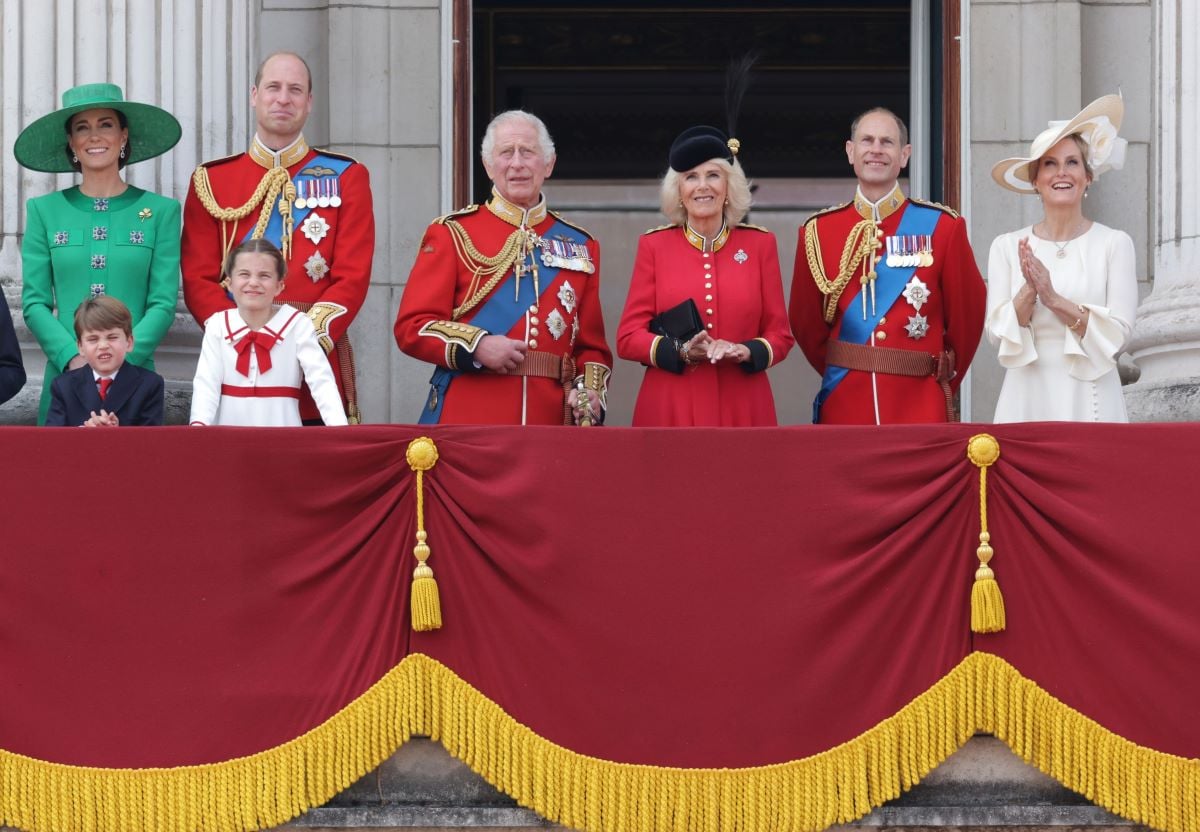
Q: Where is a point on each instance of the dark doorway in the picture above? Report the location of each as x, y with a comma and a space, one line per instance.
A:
615, 82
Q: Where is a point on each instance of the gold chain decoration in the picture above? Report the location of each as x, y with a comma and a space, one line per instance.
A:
276, 184
859, 243
987, 604
422, 455
492, 269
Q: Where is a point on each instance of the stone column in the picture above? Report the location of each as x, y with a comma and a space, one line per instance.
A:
1166, 338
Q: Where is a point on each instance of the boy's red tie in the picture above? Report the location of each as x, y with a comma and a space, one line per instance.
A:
104, 384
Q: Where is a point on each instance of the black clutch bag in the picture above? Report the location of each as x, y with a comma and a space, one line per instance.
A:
681, 322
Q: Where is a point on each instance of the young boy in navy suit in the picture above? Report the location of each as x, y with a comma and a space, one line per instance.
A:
107, 392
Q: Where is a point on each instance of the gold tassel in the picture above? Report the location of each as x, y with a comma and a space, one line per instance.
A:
426, 604
285, 212
987, 604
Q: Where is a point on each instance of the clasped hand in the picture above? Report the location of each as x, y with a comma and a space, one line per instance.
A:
1037, 276
103, 419
703, 347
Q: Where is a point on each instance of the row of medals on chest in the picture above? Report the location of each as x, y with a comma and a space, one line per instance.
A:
557, 252
908, 251
911, 251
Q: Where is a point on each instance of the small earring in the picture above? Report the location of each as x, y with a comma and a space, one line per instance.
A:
122, 151
681, 203
74, 159
1085, 193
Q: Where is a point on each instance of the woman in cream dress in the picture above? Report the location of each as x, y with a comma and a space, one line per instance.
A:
1062, 293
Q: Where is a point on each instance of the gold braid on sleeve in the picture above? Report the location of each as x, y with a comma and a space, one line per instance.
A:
490, 270
276, 184
860, 242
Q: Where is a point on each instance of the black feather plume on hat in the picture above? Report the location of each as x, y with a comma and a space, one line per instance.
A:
737, 81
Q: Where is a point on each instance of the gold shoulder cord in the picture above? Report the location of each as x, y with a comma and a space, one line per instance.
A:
490, 269
276, 184
931, 204
859, 243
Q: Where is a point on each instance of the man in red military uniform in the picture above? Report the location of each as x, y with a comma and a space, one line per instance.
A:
504, 299
887, 302
314, 205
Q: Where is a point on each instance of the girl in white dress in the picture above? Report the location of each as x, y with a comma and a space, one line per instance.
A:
1062, 293
255, 357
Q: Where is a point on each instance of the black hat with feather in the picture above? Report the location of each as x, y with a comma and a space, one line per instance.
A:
697, 145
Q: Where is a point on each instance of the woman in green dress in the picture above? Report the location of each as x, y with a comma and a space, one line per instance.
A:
102, 236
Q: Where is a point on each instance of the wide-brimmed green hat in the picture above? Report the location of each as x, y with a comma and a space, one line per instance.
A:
152, 130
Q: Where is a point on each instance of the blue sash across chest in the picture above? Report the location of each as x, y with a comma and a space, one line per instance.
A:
889, 285
499, 314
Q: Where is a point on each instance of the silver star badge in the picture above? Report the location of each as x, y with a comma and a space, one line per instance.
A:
741, 256
917, 326
316, 266
556, 324
566, 296
315, 228
916, 293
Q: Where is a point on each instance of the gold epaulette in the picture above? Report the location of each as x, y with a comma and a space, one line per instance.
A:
945, 208
578, 228
660, 228
461, 212
210, 163
327, 152
753, 227
830, 210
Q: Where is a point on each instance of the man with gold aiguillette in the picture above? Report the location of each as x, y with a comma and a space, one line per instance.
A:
314, 205
887, 301
504, 299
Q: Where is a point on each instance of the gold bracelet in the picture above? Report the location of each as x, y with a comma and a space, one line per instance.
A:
1082, 313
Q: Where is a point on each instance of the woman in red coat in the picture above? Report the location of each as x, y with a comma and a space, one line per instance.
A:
712, 372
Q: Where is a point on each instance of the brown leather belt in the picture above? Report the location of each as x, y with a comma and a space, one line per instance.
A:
545, 365
548, 365
898, 363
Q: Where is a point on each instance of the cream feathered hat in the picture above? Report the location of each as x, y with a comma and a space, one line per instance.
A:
1097, 124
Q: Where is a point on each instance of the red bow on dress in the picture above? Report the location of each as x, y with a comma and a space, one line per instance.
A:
262, 343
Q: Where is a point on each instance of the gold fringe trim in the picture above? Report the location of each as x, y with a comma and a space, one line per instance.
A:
422, 696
